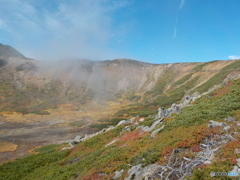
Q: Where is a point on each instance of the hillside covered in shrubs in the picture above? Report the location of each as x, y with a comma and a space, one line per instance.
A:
202, 138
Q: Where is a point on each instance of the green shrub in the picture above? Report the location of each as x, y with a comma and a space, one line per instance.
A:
76, 123
182, 80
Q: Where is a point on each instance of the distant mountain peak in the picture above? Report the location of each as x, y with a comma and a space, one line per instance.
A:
8, 51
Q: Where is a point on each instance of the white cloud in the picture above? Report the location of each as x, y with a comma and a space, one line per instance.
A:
175, 28
233, 57
61, 28
181, 4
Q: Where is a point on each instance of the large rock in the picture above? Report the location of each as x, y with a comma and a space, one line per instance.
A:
195, 96
175, 108
118, 174
78, 138
126, 121
230, 119
215, 124
148, 129
227, 128
139, 173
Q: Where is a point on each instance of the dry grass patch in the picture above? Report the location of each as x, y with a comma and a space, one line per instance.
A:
6, 146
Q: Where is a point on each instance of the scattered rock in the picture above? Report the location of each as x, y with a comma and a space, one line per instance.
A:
141, 120
156, 131
207, 162
215, 124
195, 96
238, 162
227, 128
148, 129
78, 138
139, 173
112, 142
126, 121
121, 122
230, 119
118, 174
235, 169
237, 151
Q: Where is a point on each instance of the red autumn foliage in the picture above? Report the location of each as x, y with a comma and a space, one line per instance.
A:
133, 135
195, 148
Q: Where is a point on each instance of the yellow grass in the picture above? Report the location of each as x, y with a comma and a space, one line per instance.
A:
6, 146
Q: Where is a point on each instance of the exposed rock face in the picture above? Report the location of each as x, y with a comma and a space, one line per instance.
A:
79, 139
126, 121
138, 173
148, 129
175, 108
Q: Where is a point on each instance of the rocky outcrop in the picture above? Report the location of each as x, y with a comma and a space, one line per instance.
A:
215, 124
126, 121
79, 139
148, 129
138, 172
118, 174
176, 108
156, 131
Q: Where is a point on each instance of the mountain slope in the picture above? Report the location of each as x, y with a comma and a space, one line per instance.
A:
7, 51
72, 97
132, 152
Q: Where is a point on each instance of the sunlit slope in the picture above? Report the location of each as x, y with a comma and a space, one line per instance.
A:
130, 146
30, 86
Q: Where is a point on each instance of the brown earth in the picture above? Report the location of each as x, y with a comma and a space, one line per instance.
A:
6, 146
23, 133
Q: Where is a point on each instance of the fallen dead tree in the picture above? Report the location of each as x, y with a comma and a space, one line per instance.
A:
179, 167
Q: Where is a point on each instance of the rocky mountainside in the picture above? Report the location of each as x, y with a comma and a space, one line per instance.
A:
32, 86
196, 139
153, 106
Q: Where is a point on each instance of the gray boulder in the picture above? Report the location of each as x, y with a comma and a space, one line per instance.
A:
175, 108
227, 128
215, 124
148, 129
139, 173
78, 138
118, 174
230, 119
121, 122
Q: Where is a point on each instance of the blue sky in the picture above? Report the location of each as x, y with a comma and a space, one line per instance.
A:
155, 31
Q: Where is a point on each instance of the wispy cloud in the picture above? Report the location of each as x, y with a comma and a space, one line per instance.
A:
233, 57
56, 29
181, 4
176, 23
175, 29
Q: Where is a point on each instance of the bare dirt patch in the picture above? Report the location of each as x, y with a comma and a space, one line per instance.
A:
6, 146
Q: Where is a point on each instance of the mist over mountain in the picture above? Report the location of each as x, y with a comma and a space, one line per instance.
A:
48, 102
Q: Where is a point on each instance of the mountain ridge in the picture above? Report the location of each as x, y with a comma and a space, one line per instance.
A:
62, 99
8, 51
